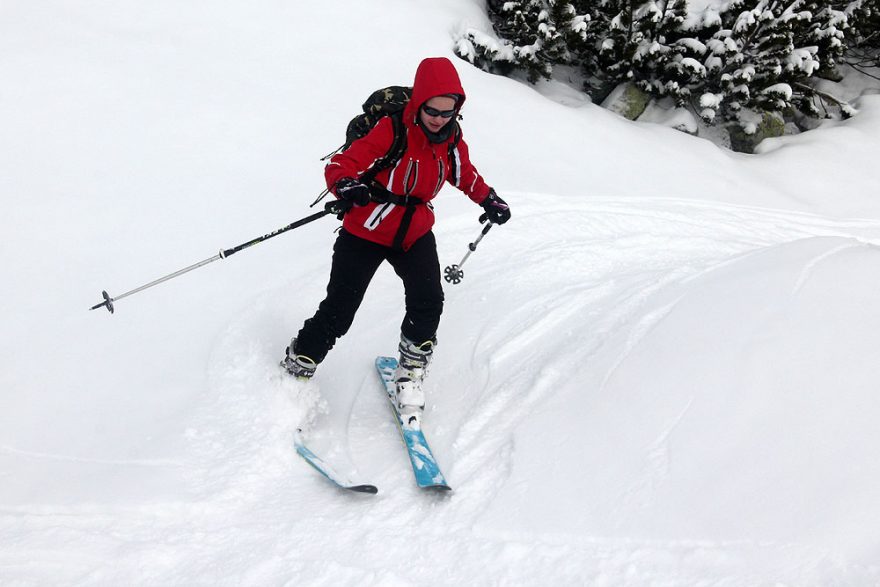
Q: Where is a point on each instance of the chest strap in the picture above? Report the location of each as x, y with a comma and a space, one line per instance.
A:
383, 196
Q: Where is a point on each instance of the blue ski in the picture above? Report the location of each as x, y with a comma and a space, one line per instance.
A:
424, 465
327, 470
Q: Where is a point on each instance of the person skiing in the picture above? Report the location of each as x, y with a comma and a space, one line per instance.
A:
390, 220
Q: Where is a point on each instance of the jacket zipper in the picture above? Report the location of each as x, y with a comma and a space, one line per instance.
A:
440, 176
406, 175
412, 172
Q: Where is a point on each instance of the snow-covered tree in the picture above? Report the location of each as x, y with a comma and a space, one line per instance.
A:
668, 58
525, 24
566, 32
532, 36
862, 49
756, 61
740, 59
522, 30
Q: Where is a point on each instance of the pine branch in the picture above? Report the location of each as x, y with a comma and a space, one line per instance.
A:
863, 72
825, 95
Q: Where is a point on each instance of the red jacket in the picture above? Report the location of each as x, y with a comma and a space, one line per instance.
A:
419, 173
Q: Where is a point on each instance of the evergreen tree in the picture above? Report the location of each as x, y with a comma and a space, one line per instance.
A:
524, 24
755, 60
862, 50
745, 58
490, 53
645, 41
667, 60
534, 36
565, 32
592, 25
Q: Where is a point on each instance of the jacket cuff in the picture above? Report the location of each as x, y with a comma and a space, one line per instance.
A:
489, 192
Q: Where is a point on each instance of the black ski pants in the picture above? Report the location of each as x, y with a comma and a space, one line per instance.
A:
355, 261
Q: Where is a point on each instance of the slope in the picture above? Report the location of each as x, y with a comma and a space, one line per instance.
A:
154, 446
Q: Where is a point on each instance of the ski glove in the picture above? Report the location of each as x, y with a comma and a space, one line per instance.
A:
338, 207
354, 191
497, 210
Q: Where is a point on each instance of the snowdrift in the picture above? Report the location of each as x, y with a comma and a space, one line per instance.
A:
742, 404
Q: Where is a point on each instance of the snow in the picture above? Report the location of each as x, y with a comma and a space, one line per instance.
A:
709, 100
668, 115
693, 65
692, 45
783, 90
661, 371
704, 13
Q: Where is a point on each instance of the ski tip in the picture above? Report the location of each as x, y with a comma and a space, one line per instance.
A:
439, 488
372, 489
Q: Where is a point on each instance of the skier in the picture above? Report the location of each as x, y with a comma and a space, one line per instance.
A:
392, 222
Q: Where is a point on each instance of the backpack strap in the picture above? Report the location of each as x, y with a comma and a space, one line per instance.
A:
451, 155
405, 221
394, 153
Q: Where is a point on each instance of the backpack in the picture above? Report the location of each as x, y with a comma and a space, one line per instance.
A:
391, 102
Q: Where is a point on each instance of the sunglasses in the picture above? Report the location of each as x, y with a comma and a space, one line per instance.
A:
441, 113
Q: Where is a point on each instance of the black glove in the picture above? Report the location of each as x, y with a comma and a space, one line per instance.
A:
354, 191
497, 210
338, 207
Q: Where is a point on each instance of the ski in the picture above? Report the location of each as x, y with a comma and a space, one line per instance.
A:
425, 468
327, 470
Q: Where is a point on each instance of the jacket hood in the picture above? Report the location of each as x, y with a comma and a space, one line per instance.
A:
435, 76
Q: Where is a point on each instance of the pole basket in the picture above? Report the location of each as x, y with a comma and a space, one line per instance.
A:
453, 274
107, 303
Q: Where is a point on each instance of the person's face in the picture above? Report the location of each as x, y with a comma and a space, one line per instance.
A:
437, 106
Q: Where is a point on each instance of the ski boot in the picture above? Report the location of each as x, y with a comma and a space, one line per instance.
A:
408, 377
300, 366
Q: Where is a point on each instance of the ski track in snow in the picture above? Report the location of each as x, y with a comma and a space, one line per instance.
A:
247, 491
810, 267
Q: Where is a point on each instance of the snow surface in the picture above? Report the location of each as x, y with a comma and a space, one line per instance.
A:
662, 371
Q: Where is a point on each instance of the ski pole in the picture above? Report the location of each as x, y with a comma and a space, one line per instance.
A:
329, 208
454, 273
